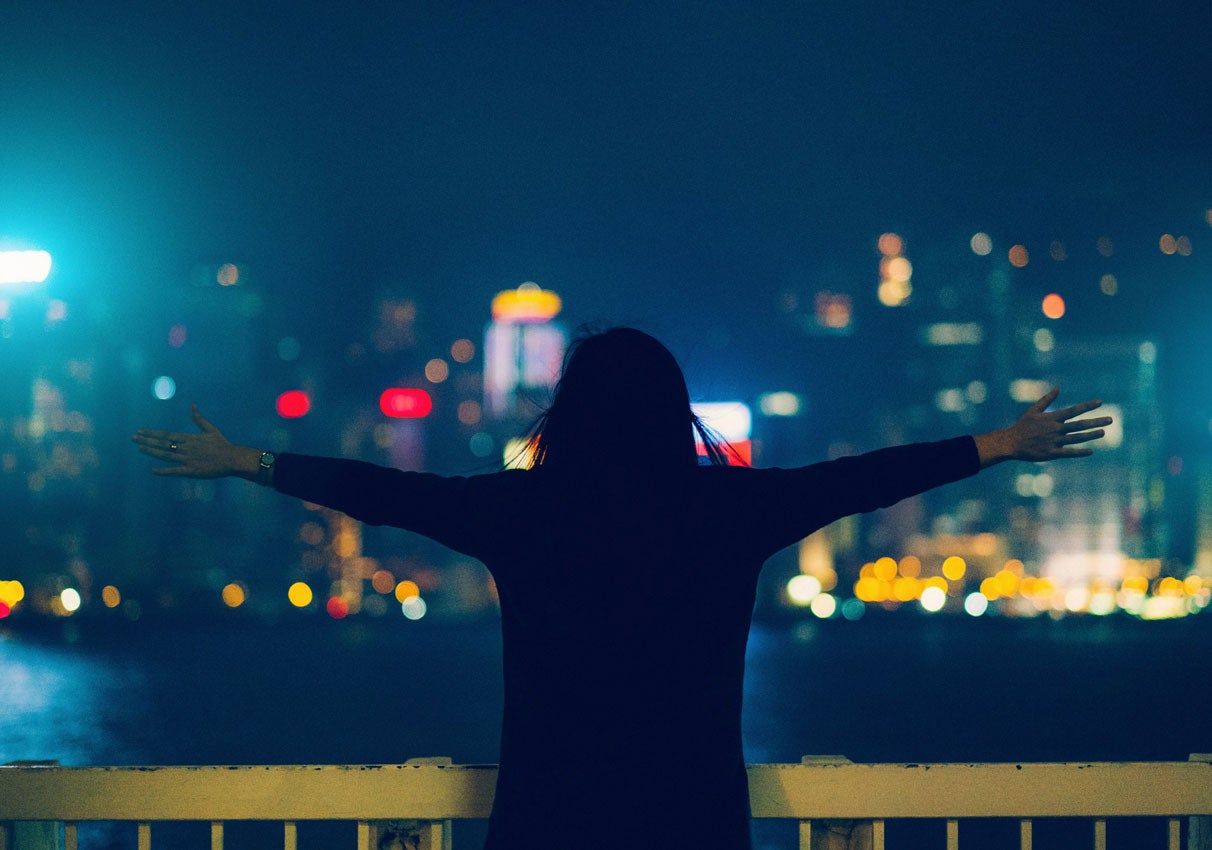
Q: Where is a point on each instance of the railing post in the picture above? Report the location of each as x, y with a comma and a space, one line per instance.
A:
34, 834
1199, 827
837, 834
414, 834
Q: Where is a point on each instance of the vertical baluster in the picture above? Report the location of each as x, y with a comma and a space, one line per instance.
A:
877, 834
144, 832
70, 840
1024, 834
364, 835
1100, 834
290, 835
1176, 831
805, 835
216, 835
952, 834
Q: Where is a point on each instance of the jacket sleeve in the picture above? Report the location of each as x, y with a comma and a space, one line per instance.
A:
795, 502
454, 511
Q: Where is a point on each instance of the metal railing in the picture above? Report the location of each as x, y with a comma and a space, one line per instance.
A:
839, 805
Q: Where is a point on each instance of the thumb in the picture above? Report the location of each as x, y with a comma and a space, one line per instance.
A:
201, 422
1045, 400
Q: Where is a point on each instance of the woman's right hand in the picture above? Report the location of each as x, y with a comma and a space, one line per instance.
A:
207, 454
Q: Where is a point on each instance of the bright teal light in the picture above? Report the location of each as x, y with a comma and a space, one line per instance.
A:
24, 266
164, 388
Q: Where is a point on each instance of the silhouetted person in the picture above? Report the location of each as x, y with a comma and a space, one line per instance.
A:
627, 574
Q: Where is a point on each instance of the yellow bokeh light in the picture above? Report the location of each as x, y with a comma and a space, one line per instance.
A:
1015, 566
885, 569
383, 581
899, 269
911, 566
1018, 256
936, 581
906, 589
867, 570
1108, 284
989, 588
406, 590
462, 350
233, 595
894, 293
110, 596
890, 244
1167, 244
437, 370
1192, 585
954, 568
1007, 583
867, 589
300, 594
11, 592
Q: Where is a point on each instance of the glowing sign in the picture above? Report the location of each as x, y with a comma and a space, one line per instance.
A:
732, 420
405, 403
24, 266
527, 303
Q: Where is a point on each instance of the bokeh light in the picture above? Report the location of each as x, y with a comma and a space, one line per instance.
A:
405, 403
1108, 284
933, 599
177, 335
437, 370
890, 244
1053, 306
414, 607
293, 404
407, 589
462, 351
69, 598
469, 412
300, 594
1018, 256
1167, 244
164, 388
802, 589
228, 275
110, 596
824, 606
234, 595
337, 608
1105, 246
976, 603
981, 244
954, 568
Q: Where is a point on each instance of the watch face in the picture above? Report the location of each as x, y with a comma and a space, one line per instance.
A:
267, 460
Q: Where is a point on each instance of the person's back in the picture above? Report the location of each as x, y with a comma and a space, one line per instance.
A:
625, 611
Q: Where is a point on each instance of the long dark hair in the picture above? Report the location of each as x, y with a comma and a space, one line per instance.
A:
621, 401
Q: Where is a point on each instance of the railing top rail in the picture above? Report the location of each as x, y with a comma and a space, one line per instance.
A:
437, 791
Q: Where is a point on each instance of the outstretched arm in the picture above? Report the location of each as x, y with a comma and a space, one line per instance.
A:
1040, 435
206, 454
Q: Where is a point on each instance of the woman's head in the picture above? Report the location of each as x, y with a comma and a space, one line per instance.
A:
621, 401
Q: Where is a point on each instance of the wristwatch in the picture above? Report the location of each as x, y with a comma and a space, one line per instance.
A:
266, 463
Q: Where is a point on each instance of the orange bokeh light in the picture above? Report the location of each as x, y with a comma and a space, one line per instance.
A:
1053, 306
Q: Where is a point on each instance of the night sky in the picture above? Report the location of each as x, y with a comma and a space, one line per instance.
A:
678, 166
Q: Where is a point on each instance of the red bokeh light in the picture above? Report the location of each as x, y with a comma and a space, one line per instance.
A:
337, 608
293, 403
4, 610
405, 403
